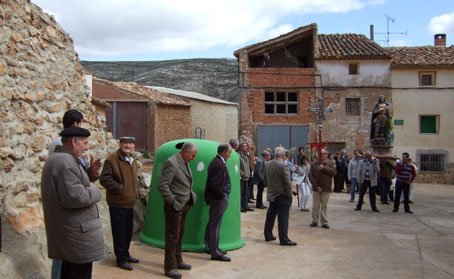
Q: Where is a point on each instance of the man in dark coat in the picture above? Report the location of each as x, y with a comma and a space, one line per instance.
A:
279, 195
217, 192
71, 216
119, 177
259, 178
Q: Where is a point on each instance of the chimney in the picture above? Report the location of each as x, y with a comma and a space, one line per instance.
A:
371, 32
440, 40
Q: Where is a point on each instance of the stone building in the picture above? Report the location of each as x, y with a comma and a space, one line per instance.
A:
144, 113
40, 78
281, 78
423, 100
217, 119
353, 72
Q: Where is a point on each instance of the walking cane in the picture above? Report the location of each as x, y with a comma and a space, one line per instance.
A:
298, 195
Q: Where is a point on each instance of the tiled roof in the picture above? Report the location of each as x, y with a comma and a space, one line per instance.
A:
135, 88
425, 56
348, 46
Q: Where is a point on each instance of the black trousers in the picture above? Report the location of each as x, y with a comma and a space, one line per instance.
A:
76, 271
280, 207
214, 225
362, 191
244, 194
399, 188
250, 186
121, 221
260, 188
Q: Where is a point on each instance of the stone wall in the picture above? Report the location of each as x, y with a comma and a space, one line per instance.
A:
40, 78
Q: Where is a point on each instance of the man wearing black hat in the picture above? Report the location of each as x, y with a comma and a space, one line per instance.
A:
120, 178
71, 216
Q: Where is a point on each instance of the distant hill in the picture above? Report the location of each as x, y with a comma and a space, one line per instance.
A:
213, 77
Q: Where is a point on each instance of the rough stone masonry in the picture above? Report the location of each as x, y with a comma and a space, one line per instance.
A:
40, 78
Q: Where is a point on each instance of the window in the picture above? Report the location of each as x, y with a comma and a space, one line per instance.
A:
352, 106
431, 162
352, 69
427, 78
281, 102
428, 124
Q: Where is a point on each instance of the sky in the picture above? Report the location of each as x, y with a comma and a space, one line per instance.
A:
150, 30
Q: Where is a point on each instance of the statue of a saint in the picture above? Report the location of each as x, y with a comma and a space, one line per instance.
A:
380, 115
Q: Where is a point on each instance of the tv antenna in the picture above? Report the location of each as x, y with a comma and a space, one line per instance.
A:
387, 33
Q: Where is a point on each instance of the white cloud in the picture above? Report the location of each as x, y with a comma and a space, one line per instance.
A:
442, 24
115, 27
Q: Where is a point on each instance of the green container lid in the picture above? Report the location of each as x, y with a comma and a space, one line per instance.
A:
197, 218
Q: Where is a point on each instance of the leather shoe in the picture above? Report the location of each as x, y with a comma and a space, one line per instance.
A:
395, 210
222, 251
124, 265
184, 266
314, 224
243, 210
221, 259
249, 209
261, 206
288, 243
375, 210
250, 201
386, 203
326, 226
270, 238
409, 211
173, 274
133, 260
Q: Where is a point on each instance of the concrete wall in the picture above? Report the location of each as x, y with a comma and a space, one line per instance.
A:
371, 72
373, 80
411, 101
220, 121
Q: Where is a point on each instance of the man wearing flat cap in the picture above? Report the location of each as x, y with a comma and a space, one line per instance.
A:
120, 178
71, 215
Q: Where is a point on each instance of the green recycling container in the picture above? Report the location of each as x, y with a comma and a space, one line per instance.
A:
197, 218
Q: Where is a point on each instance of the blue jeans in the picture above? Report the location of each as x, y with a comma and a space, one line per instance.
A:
353, 189
56, 269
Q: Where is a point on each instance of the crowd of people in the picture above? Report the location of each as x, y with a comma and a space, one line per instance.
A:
71, 215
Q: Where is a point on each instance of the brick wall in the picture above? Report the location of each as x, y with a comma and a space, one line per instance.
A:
259, 80
171, 123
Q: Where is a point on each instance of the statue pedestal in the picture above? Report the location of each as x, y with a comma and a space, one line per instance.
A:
380, 149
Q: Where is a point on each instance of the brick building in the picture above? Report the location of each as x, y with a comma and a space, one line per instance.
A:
277, 85
152, 117
217, 119
281, 78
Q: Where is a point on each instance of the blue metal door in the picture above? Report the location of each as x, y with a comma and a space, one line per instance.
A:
287, 136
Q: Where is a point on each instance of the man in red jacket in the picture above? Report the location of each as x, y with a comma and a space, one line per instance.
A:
405, 174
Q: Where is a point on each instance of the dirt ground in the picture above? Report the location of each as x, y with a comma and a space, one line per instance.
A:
359, 244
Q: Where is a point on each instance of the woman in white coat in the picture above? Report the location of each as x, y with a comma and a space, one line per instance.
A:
303, 182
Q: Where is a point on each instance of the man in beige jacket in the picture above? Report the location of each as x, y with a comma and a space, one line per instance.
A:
320, 195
